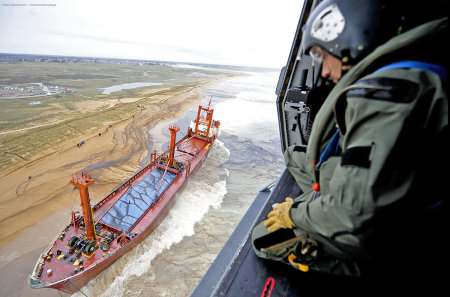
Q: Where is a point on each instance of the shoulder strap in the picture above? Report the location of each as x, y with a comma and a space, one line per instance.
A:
331, 149
439, 70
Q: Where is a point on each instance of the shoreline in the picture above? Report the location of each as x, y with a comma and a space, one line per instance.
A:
31, 205
71, 142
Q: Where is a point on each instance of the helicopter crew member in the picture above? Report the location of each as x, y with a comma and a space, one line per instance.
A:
372, 188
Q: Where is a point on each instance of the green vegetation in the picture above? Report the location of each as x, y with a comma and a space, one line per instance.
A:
61, 117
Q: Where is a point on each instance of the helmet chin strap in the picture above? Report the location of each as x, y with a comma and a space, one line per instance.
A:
343, 72
344, 69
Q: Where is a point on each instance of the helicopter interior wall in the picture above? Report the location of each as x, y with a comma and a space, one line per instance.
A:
295, 100
280, 81
304, 63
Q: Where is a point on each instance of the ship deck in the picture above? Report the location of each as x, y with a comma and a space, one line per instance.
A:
190, 150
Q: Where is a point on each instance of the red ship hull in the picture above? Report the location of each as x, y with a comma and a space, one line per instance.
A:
70, 271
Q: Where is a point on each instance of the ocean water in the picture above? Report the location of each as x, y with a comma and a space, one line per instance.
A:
246, 157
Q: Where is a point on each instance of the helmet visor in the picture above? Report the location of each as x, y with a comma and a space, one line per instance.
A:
316, 53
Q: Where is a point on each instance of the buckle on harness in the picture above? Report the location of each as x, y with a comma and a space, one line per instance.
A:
299, 266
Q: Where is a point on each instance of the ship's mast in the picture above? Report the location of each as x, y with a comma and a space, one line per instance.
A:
173, 135
207, 120
82, 182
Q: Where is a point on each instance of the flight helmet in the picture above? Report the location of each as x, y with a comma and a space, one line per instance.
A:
345, 29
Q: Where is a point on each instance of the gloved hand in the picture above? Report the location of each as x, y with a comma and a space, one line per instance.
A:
280, 217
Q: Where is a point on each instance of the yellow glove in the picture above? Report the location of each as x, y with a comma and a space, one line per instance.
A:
280, 217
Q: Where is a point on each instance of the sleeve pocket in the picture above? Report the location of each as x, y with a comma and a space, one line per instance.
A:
326, 173
349, 187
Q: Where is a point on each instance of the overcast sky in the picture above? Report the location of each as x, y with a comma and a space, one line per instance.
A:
232, 32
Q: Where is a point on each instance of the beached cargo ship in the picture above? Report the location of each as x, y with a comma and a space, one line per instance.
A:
124, 218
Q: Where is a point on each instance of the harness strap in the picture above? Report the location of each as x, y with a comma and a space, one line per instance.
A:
439, 70
331, 149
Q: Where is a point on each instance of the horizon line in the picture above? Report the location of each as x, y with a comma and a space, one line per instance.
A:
143, 60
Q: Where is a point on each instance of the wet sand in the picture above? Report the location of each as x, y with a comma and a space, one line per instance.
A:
34, 210
14, 278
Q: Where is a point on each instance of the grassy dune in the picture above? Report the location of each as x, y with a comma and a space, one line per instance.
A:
29, 130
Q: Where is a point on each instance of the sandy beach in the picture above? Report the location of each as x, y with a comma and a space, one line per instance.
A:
37, 197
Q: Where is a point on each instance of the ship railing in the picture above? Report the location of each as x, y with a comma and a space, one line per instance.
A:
111, 206
111, 228
176, 178
188, 168
200, 136
154, 203
38, 265
136, 175
124, 184
75, 275
159, 197
49, 247
41, 260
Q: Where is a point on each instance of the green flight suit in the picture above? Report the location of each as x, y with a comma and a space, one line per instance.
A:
375, 194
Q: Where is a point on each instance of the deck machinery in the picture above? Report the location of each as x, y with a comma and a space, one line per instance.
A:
124, 218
